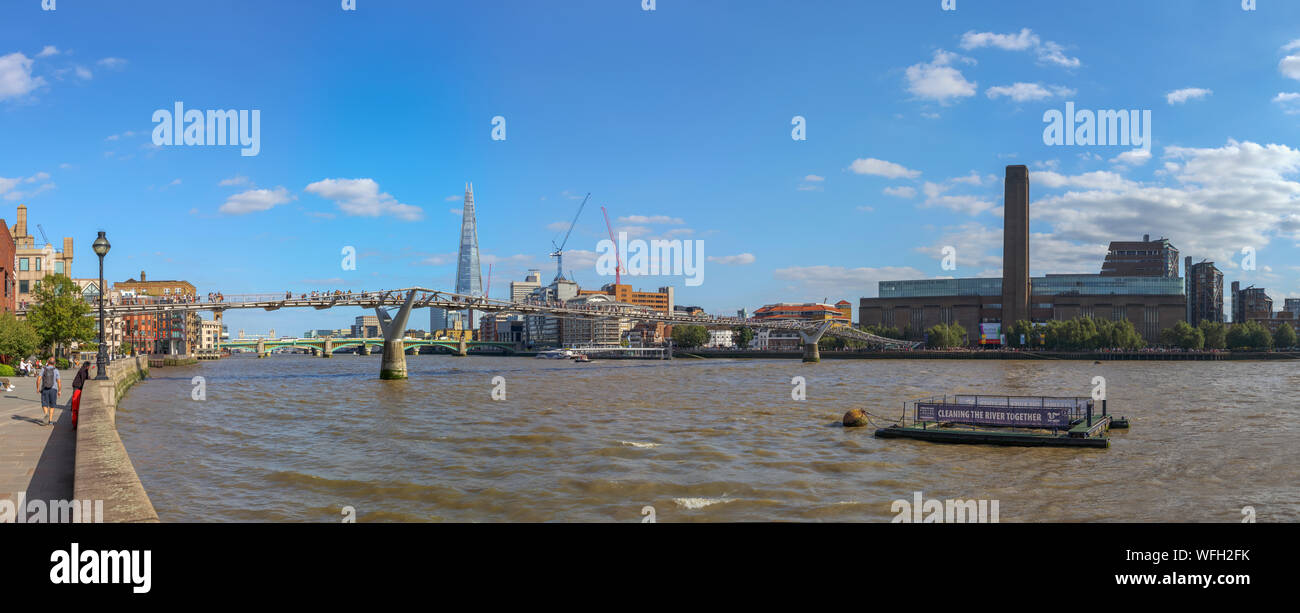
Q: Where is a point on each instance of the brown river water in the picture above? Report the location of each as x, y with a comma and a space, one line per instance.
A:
296, 439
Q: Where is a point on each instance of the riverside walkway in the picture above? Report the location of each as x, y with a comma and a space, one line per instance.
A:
35, 459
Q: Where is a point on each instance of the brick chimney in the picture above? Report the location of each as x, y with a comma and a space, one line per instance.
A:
142, 276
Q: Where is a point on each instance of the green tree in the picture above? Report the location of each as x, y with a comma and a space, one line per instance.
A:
1183, 335
59, 315
1250, 335
943, 336
690, 336
1284, 337
742, 335
17, 338
1215, 334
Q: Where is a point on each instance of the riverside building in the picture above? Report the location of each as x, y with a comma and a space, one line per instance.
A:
1152, 301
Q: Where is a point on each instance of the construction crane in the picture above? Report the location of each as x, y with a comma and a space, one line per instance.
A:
558, 254
618, 262
487, 292
47, 239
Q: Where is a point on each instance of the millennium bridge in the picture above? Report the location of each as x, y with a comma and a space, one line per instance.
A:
393, 308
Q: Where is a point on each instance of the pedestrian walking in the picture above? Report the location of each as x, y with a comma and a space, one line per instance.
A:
77, 383
50, 386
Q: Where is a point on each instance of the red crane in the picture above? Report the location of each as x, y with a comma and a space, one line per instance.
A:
618, 267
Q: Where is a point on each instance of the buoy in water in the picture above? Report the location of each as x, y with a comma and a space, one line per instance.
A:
855, 418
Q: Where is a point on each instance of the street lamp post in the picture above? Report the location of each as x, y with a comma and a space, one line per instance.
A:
101, 247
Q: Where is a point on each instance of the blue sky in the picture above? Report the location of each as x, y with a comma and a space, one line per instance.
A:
678, 120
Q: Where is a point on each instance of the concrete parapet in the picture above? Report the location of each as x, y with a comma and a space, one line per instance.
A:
103, 468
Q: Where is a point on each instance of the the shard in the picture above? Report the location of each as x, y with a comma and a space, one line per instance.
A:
469, 278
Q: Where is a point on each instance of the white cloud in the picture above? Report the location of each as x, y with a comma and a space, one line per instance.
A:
452, 198
1179, 96
48, 51
1024, 92
938, 80
7, 186
814, 178
882, 168
16, 76
1220, 199
235, 180
739, 259
1097, 180
84, 73
112, 63
971, 205
1289, 66
1047, 52
901, 192
361, 197
1135, 157
1289, 101
255, 200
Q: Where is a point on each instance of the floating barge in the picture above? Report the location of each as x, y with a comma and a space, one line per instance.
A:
1020, 421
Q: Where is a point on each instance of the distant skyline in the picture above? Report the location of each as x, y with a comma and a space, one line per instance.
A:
679, 121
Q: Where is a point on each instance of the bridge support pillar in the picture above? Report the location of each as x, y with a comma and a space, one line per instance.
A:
329, 348
364, 349
393, 365
462, 348
261, 348
811, 352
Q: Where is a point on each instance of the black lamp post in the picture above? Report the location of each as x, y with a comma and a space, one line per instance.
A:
101, 247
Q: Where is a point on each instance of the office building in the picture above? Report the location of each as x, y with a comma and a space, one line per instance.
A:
660, 301
519, 290
366, 326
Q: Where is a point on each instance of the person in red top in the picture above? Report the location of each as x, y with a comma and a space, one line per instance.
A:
77, 383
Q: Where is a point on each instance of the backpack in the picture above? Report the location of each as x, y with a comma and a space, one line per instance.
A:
47, 377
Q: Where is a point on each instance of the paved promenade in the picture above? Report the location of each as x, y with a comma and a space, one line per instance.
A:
33, 458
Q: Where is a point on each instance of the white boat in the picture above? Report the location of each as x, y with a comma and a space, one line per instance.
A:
556, 354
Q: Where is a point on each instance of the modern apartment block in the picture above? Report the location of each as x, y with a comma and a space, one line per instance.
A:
1204, 293
1250, 303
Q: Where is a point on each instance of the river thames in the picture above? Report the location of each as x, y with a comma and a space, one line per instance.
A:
294, 438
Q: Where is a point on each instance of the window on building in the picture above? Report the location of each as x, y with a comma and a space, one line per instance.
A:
22, 286
58, 268
38, 263
23, 265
